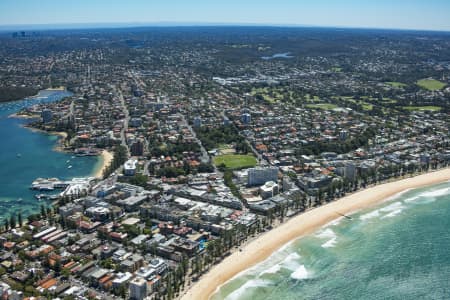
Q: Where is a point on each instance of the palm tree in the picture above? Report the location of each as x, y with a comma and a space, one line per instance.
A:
12, 221
282, 213
211, 250
19, 219
319, 196
198, 265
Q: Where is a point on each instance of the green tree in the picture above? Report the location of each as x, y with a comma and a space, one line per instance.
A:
12, 221
19, 219
43, 211
65, 273
119, 158
57, 266
139, 180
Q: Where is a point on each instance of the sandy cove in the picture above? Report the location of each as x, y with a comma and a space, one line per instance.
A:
261, 248
107, 157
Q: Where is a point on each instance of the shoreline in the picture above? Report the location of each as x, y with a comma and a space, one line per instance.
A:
106, 157
62, 137
306, 223
58, 89
23, 116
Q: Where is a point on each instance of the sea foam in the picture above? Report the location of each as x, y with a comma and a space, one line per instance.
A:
392, 210
371, 215
334, 222
412, 199
272, 270
290, 262
393, 207
254, 283
392, 213
300, 273
328, 234
330, 244
436, 193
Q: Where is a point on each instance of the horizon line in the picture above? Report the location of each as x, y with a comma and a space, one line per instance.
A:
125, 25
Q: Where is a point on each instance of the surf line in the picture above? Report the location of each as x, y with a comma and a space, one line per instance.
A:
345, 216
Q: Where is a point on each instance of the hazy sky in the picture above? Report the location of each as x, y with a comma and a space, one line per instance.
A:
405, 14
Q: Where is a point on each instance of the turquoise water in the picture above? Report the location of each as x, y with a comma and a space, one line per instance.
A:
37, 158
399, 250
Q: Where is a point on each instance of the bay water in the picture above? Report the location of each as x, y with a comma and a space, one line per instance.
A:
26, 155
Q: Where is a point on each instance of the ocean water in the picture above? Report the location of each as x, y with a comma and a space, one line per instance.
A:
398, 250
37, 158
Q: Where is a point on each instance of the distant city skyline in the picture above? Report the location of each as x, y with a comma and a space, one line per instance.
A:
398, 14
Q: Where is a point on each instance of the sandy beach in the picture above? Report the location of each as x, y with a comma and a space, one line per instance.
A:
61, 141
306, 223
107, 157
23, 116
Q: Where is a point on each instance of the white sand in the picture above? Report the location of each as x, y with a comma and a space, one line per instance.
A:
306, 223
107, 157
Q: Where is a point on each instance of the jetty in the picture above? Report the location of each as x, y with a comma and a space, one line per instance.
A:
48, 184
70, 187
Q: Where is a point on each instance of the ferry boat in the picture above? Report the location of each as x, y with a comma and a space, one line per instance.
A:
48, 184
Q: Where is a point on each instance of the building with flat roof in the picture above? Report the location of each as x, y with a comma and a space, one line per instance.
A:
159, 265
263, 206
259, 176
98, 213
138, 288
146, 272
133, 202
268, 190
129, 168
197, 122
246, 118
121, 279
46, 115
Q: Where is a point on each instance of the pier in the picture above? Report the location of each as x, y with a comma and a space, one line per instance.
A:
70, 187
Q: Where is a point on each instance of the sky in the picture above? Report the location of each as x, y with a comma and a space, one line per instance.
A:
398, 14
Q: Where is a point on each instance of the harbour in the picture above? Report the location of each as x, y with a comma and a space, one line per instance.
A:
26, 155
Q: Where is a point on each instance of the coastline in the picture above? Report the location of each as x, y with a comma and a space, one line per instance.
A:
57, 89
306, 223
61, 134
23, 116
106, 157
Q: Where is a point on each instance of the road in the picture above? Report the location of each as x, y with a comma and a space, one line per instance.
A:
205, 157
126, 119
137, 80
261, 160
